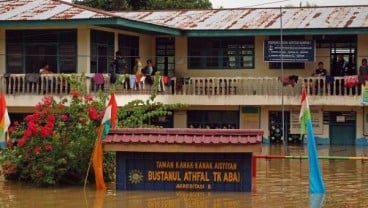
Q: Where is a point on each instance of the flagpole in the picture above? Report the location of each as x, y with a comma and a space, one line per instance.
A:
282, 75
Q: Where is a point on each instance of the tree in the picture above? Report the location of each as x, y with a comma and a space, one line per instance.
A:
54, 144
179, 4
108, 5
116, 5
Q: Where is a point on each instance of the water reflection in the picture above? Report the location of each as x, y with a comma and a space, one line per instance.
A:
279, 183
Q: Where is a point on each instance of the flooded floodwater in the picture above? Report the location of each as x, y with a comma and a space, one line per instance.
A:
278, 183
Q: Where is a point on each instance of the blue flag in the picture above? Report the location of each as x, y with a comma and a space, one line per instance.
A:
316, 184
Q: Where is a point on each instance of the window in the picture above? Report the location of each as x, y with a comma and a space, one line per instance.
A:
102, 51
342, 47
213, 119
286, 65
27, 50
129, 48
165, 56
221, 53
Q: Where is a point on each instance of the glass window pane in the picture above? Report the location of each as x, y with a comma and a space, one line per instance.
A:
14, 58
219, 53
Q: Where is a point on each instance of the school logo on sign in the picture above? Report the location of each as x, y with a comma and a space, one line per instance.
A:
135, 176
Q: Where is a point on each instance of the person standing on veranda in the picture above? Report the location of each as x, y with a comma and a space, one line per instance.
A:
363, 72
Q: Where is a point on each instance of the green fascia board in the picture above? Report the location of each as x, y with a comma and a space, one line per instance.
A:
267, 32
120, 22
148, 27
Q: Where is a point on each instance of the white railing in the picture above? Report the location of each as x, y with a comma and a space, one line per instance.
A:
18, 84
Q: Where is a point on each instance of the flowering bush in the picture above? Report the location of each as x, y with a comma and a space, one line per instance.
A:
54, 144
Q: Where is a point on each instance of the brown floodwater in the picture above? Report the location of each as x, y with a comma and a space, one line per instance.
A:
279, 183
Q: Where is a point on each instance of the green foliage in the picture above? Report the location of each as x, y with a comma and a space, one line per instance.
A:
179, 4
54, 144
138, 113
116, 5
108, 5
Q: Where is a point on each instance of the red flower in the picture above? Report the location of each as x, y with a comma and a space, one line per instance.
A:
22, 142
64, 117
93, 115
45, 131
32, 128
48, 147
49, 125
11, 129
9, 143
101, 115
51, 118
75, 93
88, 97
8, 168
37, 150
16, 123
47, 100
28, 118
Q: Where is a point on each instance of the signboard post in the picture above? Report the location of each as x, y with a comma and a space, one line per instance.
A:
293, 51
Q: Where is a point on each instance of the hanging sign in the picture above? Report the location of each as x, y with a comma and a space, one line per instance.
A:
365, 94
293, 51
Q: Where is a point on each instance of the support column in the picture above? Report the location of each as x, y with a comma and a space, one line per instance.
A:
2, 51
84, 50
84, 54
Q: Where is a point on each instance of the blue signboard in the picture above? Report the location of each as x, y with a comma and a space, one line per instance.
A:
184, 171
293, 51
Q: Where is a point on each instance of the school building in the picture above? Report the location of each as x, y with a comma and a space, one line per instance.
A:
224, 64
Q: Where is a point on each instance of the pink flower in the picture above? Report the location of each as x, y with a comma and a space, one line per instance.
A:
16, 123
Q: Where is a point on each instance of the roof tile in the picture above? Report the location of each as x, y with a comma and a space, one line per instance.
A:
184, 135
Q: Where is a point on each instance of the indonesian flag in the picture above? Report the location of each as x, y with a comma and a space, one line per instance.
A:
5, 120
316, 184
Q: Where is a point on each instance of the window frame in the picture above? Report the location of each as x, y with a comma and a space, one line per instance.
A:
205, 119
102, 51
215, 53
18, 60
165, 61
